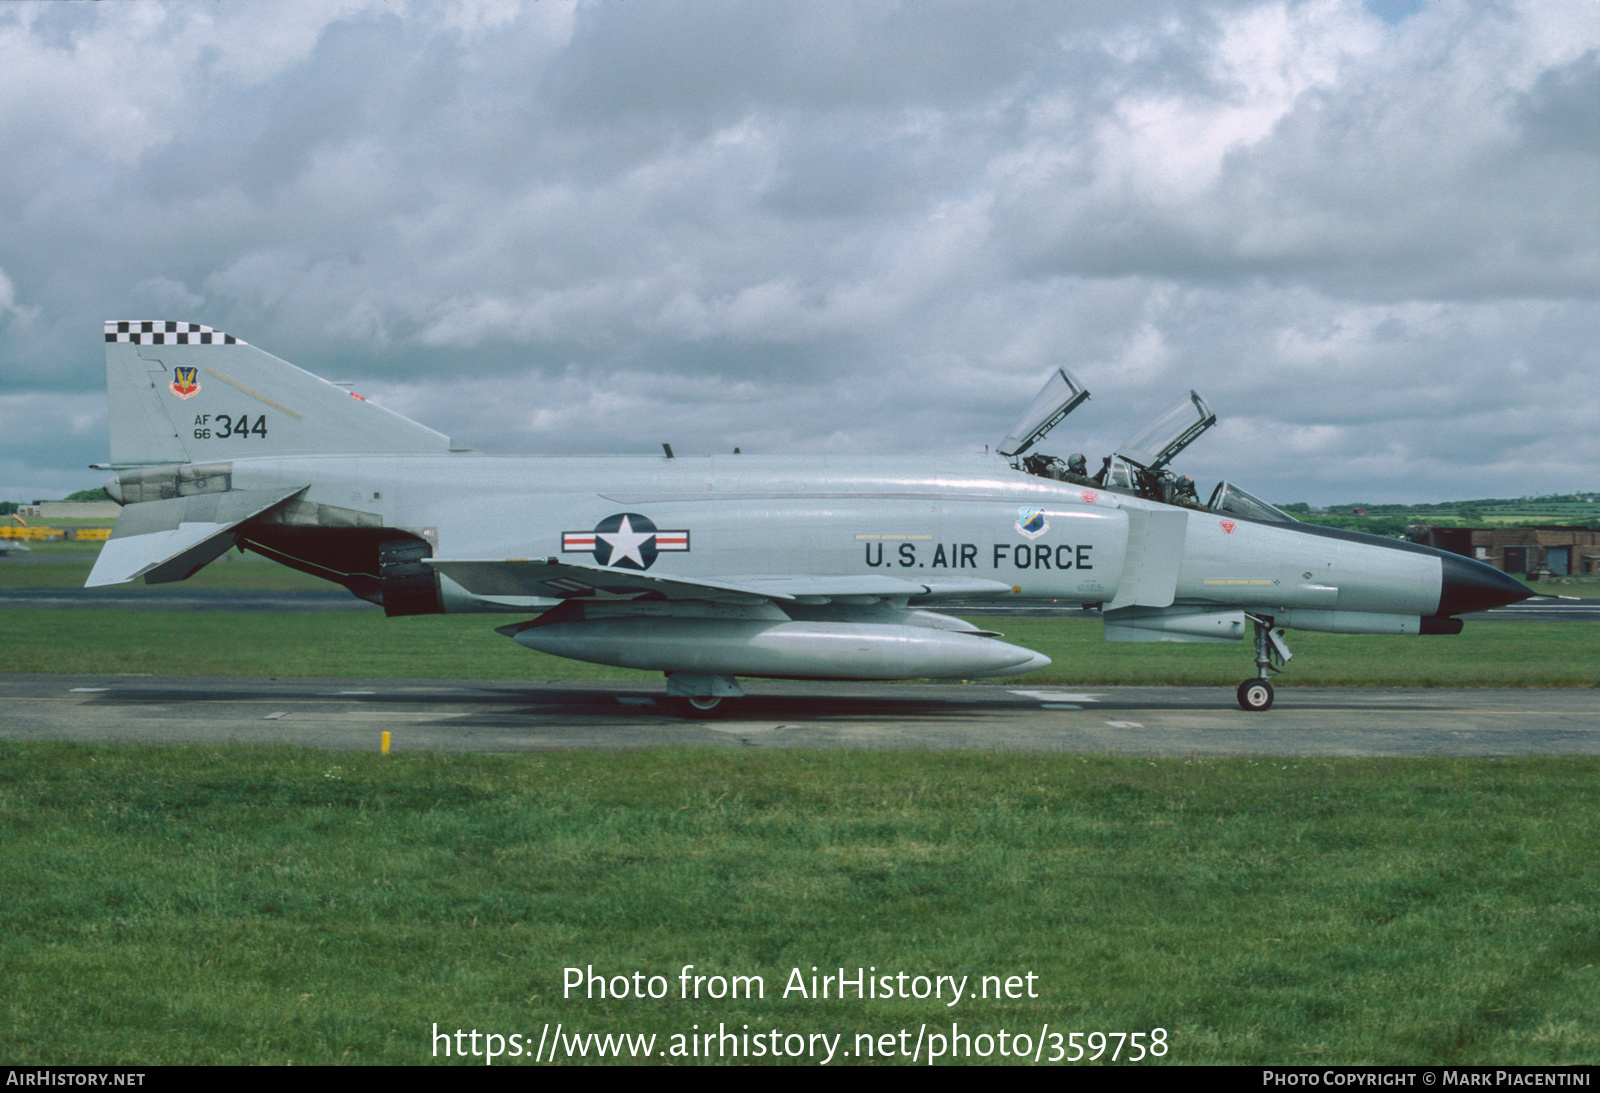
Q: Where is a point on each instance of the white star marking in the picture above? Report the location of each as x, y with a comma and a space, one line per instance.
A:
625, 543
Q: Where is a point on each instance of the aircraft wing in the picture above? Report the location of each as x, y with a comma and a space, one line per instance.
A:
561, 580
168, 540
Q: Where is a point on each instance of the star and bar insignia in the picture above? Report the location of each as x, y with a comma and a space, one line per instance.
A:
626, 540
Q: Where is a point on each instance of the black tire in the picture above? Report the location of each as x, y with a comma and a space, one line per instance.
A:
1255, 695
702, 707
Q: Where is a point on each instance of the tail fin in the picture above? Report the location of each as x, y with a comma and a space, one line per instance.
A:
185, 393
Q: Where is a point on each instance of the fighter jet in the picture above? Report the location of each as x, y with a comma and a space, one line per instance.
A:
711, 567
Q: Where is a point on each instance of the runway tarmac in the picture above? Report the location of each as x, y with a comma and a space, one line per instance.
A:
519, 715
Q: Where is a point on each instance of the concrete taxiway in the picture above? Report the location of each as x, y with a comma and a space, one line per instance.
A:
516, 715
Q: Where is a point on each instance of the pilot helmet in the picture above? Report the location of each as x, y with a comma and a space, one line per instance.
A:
1077, 463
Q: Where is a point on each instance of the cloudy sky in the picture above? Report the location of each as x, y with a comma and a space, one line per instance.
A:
1368, 233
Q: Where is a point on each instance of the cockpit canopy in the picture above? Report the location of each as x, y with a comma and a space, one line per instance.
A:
1061, 394
1136, 467
1230, 498
1158, 443
1119, 474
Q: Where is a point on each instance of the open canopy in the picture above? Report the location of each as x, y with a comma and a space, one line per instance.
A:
1158, 443
1061, 394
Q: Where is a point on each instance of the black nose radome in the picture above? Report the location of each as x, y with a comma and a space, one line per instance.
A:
1472, 586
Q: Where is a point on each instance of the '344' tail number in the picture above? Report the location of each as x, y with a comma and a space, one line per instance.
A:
221, 426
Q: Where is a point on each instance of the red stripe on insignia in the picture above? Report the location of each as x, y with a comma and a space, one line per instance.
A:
672, 540
577, 540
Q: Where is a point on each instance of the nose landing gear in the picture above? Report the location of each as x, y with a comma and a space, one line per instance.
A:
1272, 653
1255, 694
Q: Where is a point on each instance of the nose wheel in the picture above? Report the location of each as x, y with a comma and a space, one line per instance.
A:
1255, 694
1272, 653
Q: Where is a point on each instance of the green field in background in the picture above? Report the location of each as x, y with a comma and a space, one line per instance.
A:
67, 565
365, 643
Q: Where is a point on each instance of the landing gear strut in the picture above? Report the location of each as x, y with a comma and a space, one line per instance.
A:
1272, 653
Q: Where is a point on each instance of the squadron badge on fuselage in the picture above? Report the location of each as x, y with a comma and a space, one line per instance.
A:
1031, 522
624, 541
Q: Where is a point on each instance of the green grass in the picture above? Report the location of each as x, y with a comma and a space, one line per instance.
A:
230, 904
260, 643
67, 565
466, 647
1488, 654
268, 905
1577, 588
1565, 509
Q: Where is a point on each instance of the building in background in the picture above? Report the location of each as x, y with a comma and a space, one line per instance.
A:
1536, 551
72, 510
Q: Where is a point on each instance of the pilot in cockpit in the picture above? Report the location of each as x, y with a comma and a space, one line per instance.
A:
1173, 488
1078, 470
1075, 469
1184, 492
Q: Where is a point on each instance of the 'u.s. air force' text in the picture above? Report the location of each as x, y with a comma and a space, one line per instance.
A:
965, 555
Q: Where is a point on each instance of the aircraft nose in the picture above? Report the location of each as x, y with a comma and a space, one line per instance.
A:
1471, 585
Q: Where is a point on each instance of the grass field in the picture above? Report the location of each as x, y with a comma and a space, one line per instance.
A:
67, 565
466, 647
232, 904
366, 644
221, 904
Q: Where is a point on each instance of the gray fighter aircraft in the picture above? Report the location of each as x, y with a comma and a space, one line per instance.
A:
708, 568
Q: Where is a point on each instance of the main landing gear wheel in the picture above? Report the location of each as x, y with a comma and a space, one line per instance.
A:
702, 694
702, 707
1255, 695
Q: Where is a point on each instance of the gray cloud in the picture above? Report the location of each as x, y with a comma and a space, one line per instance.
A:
1370, 237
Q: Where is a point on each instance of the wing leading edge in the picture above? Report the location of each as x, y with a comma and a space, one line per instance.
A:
562, 580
